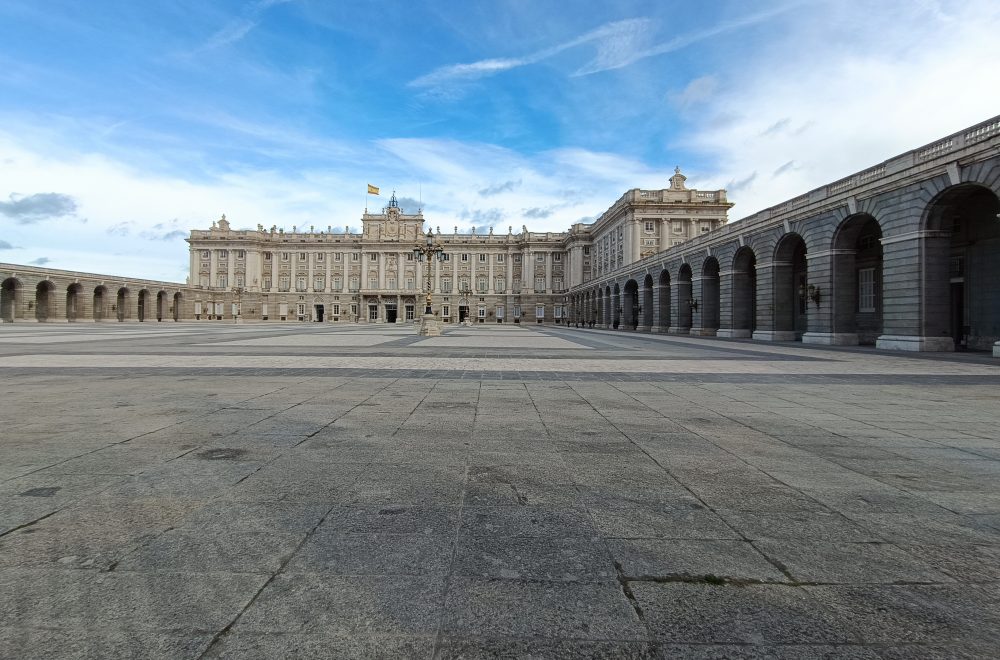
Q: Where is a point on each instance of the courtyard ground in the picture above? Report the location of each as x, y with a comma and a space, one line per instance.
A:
263, 491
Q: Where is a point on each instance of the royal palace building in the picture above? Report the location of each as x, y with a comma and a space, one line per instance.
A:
904, 255
375, 277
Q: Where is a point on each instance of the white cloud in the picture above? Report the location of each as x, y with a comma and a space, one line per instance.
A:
826, 101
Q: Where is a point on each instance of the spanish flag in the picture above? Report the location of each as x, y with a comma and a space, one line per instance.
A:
372, 190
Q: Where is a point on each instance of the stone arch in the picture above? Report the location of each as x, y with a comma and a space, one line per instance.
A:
647, 303
178, 300
44, 300
10, 299
123, 304
663, 295
744, 292
144, 305
790, 273
631, 304
962, 267
685, 299
100, 302
710, 296
857, 280
74, 302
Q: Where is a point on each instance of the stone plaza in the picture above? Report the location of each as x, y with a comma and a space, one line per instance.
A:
357, 491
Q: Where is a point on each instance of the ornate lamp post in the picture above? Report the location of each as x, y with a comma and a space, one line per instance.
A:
238, 294
428, 251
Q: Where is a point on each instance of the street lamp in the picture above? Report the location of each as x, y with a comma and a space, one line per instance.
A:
238, 293
428, 251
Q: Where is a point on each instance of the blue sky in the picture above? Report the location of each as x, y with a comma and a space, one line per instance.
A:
123, 125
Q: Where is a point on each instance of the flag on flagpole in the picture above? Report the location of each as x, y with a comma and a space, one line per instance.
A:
372, 190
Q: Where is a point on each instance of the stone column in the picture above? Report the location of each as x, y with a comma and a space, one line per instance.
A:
213, 268
548, 272
698, 316
820, 275
916, 295
680, 310
728, 305
766, 301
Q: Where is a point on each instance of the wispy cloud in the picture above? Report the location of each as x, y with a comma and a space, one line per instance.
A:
497, 188
776, 127
736, 185
698, 91
30, 209
615, 40
40, 261
239, 27
618, 44
4, 245
790, 165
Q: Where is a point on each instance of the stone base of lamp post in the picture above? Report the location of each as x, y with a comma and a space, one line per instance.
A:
430, 326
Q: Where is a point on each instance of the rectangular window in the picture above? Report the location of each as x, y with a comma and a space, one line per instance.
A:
649, 227
319, 283
372, 282
409, 284
390, 283
283, 283
241, 254
319, 256
557, 257
355, 285
445, 285
206, 254
482, 312
284, 256
500, 258
336, 256
354, 256
300, 309
539, 311
446, 311
373, 256
205, 266
302, 256
409, 312
586, 251
678, 229
540, 258
866, 290
516, 311
465, 257
267, 283
373, 312
516, 285
222, 281
240, 281
539, 285
557, 284
445, 256
499, 312
500, 285
223, 254
482, 258
354, 310
337, 284
557, 311
481, 285
705, 230
300, 284
267, 256
409, 256
335, 309
463, 284
517, 258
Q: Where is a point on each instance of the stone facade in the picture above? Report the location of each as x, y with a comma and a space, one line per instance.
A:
905, 255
